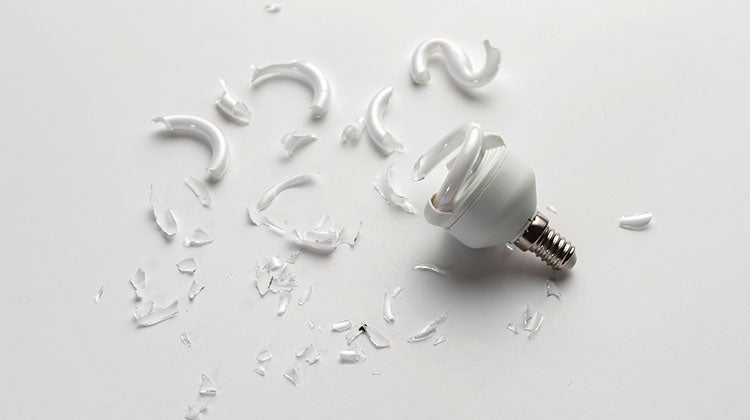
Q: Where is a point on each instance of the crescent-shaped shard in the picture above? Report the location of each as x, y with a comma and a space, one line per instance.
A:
206, 131
304, 72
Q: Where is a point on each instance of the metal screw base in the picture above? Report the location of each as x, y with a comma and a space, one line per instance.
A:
552, 248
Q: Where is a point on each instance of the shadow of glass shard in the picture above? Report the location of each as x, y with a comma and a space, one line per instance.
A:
208, 387
428, 329
163, 215
149, 314
199, 237
200, 191
188, 265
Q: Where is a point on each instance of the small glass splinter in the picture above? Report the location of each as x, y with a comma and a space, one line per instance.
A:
636, 221
352, 356
208, 387
200, 191
199, 238
260, 370
292, 140
384, 186
305, 296
432, 267
264, 356
195, 290
185, 339
98, 295
552, 209
155, 315
232, 108
163, 215
428, 329
292, 373
188, 265
194, 410
552, 290
138, 281
532, 320
376, 337
310, 353
272, 7
387, 309
512, 328
341, 325
284, 298
439, 340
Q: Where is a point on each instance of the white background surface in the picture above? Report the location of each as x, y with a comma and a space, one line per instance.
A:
620, 108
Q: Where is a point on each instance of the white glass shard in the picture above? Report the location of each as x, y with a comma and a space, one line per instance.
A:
200, 191
138, 281
194, 410
352, 356
352, 335
163, 215
341, 325
325, 237
195, 290
274, 190
552, 209
509, 246
375, 373
152, 314
208, 132
143, 309
260, 370
312, 324
264, 356
310, 354
397, 291
185, 339
353, 241
433, 267
292, 373
284, 297
377, 338
188, 265
532, 320
199, 238
263, 281
300, 351
235, 110
512, 328
305, 295
98, 295
273, 264
292, 140
387, 307
457, 63
384, 186
439, 340
386, 142
428, 329
636, 221
553, 290
208, 387
292, 258
353, 131
272, 7
303, 72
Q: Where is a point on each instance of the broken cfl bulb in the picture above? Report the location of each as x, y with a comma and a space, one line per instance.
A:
489, 197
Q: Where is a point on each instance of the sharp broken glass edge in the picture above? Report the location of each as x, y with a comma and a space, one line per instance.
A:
384, 186
98, 295
185, 339
274, 190
552, 209
293, 140
432, 267
352, 356
292, 373
232, 108
439, 340
305, 295
194, 410
264, 356
200, 191
284, 297
152, 314
358, 330
553, 290
310, 353
352, 242
636, 221
512, 328
428, 329
292, 258
532, 320
163, 215
188, 265
260, 370
533, 332
272, 7
387, 307
341, 325
195, 290
377, 338
397, 291
208, 387
199, 237
138, 281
